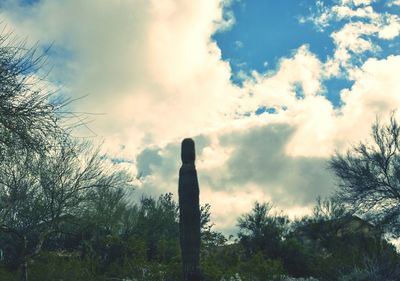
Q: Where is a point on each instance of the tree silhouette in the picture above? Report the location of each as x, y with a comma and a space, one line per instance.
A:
369, 176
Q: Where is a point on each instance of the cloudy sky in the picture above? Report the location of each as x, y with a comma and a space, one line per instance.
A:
268, 89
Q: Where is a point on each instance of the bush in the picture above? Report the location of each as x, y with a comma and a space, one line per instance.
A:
57, 266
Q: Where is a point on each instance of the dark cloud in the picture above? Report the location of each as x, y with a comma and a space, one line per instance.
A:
148, 159
259, 157
159, 167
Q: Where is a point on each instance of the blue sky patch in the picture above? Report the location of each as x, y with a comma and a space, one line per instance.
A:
28, 2
267, 31
333, 88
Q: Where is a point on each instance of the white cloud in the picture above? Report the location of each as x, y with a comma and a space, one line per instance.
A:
235, 203
322, 129
363, 25
302, 73
357, 2
394, 3
392, 28
351, 39
375, 92
342, 12
148, 65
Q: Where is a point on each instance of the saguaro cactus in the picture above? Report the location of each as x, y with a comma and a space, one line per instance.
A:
189, 213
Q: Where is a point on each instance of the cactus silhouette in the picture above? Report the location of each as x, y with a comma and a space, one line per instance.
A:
189, 213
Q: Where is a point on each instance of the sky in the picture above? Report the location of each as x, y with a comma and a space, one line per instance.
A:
269, 90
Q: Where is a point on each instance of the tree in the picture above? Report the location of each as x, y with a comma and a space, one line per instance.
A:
39, 192
27, 116
328, 209
261, 231
210, 239
105, 208
369, 176
157, 224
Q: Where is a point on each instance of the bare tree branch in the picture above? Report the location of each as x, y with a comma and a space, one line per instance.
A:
369, 176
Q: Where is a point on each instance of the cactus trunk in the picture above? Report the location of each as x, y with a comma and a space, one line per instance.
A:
189, 213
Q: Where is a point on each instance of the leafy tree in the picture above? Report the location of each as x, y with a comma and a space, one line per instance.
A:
103, 212
210, 239
158, 222
328, 209
262, 231
369, 176
39, 192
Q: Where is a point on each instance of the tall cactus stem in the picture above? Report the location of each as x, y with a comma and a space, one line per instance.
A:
189, 213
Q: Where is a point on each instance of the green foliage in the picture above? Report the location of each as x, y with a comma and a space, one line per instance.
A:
384, 267
221, 262
298, 258
6, 274
288, 278
257, 268
260, 231
113, 240
61, 266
